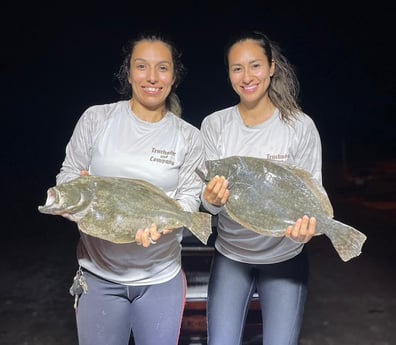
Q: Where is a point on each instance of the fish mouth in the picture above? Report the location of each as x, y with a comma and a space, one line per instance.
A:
202, 176
51, 197
50, 205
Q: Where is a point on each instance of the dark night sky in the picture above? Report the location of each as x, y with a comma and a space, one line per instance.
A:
59, 59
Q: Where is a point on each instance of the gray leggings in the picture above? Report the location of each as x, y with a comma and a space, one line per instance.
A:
282, 291
109, 313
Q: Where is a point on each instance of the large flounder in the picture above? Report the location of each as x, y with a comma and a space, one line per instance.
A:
267, 196
113, 209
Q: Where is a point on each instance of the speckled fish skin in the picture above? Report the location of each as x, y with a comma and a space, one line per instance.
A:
268, 196
113, 209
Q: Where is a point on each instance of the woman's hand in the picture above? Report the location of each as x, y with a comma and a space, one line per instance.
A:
216, 191
303, 230
147, 237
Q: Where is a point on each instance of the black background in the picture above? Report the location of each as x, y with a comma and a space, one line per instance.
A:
59, 58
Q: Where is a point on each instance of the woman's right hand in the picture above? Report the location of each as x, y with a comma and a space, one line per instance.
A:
216, 191
150, 235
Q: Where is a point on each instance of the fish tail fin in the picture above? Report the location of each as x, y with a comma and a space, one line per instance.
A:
201, 225
346, 240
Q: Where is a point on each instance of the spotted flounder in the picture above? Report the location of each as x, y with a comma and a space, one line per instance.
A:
268, 196
113, 209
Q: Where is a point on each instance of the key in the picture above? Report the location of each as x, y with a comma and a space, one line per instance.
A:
76, 288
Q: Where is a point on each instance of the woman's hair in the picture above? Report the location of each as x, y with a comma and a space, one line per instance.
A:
284, 87
125, 89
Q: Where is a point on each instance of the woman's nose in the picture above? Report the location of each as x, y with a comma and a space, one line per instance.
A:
152, 76
247, 77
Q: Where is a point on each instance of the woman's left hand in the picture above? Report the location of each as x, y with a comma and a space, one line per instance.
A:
303, 230
150, 235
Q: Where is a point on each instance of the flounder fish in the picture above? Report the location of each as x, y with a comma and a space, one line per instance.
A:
268, 196
113, 208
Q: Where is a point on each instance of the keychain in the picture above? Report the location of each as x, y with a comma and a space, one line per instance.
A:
79, 286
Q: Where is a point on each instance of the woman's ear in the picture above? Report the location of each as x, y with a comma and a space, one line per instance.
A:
272, 68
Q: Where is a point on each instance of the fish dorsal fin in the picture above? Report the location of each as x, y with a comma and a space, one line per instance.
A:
315, 187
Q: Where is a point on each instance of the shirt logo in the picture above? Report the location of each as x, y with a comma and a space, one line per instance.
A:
162, 156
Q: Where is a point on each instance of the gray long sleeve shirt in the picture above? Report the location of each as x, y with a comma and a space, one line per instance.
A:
110, 140
297, 143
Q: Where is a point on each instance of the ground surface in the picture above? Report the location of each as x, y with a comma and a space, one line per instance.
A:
351, 303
